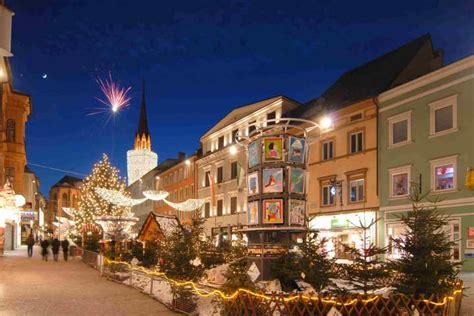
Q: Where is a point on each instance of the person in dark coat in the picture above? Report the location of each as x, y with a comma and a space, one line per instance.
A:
44, 249
65, 246
55, 244
30, 242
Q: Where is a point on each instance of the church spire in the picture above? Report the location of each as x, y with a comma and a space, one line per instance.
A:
142, 135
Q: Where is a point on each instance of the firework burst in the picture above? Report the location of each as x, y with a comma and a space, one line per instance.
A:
115, 96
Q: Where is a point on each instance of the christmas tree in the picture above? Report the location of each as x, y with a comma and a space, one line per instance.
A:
367, 272
90, 204
425, 266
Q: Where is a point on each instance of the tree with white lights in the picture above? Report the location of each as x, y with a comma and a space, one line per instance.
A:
91, 204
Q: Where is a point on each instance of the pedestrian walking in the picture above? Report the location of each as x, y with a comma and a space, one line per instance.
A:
44, 249
65, 246
30, 242
55, 244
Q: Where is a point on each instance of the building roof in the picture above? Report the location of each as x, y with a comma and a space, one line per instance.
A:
370, 79
142, 120
242, 111
67, 181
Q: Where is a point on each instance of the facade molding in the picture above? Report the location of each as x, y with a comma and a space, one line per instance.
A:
443, 204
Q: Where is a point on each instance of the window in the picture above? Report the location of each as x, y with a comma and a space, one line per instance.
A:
454, 232
356, 142
355, 117
328, 150
207, 179
443, 116
443, 174
11, 135
233, 205
399, 181
207, 210
221, 142
328, 195
220, 205
220, 174
357, 190
233, 170
65, 200
180, 177
393, 231
235, 132
399, 130
252, 127
271, 116
186, 172
10, 175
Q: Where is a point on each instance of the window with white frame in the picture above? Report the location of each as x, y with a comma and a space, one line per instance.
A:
356, 190
454, 231
443, 116
444, 174
399, 181
327, 195
356, 142
399, 129
328, 150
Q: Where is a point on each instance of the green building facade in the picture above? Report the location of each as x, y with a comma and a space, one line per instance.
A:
426, 136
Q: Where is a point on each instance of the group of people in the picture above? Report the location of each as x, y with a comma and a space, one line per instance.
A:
45, 244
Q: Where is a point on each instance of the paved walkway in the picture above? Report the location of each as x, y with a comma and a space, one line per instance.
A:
30, 286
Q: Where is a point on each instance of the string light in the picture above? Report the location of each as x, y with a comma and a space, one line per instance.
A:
155, 195
204, 293
117, 198
187, 206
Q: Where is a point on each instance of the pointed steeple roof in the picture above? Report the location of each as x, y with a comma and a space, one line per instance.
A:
142, 121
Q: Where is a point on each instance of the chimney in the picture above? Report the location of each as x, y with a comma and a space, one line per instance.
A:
181, 156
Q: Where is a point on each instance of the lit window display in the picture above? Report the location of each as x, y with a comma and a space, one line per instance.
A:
444, 177
343, 229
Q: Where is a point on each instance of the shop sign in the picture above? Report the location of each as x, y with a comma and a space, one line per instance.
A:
469, 254
339, 222
27, 216
470, 232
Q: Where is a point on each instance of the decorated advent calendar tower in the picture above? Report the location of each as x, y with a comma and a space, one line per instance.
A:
276, 183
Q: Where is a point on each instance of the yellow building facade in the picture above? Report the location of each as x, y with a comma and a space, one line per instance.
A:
14, 112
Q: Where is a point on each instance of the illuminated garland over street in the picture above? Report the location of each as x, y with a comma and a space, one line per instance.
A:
117, 198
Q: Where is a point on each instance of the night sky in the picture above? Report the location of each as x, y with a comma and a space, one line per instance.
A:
200, 59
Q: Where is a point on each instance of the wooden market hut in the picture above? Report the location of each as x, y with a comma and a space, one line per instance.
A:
156, 226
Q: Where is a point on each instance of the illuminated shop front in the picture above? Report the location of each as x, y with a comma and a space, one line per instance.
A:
344, 229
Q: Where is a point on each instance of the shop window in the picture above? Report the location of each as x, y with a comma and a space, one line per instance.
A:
443, 116
356, 142
220, 174
394, 231
221, 142
11, 134
271, 116
328, 150
443, 174
220, 206
233, 170
400, 129
233, 205
357, 190
328, 198
399, 181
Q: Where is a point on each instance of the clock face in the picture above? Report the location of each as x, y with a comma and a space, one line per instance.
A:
333, 190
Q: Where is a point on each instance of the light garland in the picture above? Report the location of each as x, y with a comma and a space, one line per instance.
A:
188, 205
204, 293
117, 198
117, 227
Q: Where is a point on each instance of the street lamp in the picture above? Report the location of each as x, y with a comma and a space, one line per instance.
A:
335, 186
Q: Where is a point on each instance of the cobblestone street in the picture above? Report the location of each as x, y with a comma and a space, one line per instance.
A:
30, 286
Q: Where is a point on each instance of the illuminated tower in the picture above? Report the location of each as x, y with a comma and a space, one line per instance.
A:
141, 159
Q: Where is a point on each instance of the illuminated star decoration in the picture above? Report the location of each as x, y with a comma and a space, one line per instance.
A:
116, 97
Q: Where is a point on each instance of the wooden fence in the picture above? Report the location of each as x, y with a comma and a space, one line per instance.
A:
392, 305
